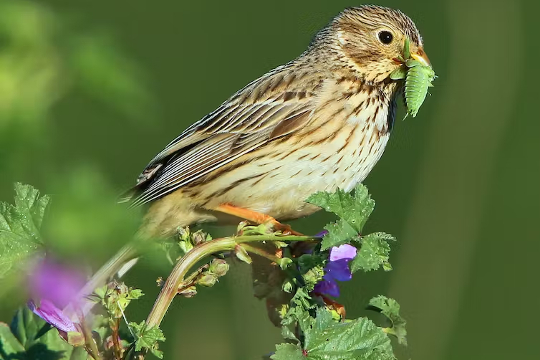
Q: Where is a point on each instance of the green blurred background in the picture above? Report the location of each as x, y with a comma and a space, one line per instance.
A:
92, 90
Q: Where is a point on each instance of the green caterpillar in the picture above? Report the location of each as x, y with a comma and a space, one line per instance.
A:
418, 79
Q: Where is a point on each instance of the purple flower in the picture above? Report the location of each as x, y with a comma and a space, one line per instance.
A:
55, 282
53, 315
52, 288
337, 268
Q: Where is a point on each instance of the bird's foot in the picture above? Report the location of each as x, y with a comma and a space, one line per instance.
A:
257, 218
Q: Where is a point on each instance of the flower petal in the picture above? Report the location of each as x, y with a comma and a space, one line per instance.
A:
344, 251
53, 315
338, 270
327, 287
55, 282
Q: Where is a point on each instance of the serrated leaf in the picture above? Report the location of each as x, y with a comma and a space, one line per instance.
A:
339, 233
302, 299
19, 226
309, 261
116, 299
147, 337
135, 294
288, 334
390, 308
358, 339
312, 277
353, 209
373, 253
288, 352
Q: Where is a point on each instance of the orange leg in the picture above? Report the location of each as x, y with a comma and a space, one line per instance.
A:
256, 217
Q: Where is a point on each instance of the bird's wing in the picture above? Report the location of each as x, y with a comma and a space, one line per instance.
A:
271, 107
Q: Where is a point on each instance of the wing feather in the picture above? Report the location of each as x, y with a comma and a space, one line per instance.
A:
248, 120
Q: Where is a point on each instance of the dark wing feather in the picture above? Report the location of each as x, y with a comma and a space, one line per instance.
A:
266, 109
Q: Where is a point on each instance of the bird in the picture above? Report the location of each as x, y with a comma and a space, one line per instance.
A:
317, 123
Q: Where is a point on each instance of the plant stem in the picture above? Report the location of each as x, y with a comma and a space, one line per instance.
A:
257, 251
199, 252
91, 346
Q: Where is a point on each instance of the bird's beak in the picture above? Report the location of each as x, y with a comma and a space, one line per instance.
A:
422, 57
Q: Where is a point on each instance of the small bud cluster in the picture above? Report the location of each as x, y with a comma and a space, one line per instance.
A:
187, 240
217, 268
115, 297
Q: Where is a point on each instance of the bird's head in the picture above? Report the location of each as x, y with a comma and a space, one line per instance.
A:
371, 39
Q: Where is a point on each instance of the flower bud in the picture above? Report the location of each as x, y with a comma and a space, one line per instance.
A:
121, 288
219, 267
188, 292
288, 286
241, 226
185, 246
283, 310
284, 263
207, 279
199, 237
109, 343
183, 233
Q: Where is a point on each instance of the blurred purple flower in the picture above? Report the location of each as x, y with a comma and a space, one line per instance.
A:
53, 315
337, 268
55, 282
52, 288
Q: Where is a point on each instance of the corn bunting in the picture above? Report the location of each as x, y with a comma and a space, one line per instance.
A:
317, 123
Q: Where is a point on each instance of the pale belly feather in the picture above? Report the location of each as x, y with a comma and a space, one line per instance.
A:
307, 170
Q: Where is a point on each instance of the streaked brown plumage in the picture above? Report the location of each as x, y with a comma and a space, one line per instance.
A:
318, 123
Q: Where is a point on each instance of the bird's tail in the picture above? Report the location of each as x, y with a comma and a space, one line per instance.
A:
118, 265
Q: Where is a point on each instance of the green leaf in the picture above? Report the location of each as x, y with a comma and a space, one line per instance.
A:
339, 233
390, 308
287, 333
308, 261
353, 209
147, 338
288, 352
135, 294
356, 339
40, 340
19, 226
374, 252
10, 347
302, 299
117, 298
310, 266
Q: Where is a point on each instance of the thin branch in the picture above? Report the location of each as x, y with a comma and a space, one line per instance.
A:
176, 278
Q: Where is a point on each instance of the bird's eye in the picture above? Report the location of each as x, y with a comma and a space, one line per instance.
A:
386, 37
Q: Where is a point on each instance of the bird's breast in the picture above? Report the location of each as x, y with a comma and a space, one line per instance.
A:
337, 150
